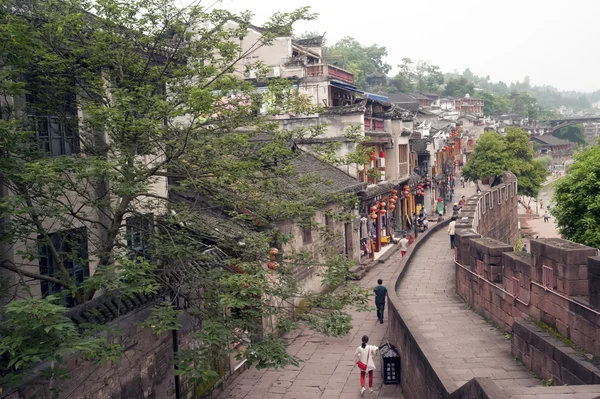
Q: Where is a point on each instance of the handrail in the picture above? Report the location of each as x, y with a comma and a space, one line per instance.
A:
531, 283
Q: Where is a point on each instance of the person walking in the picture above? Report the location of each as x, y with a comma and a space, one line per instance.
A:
546, 216
452, 231
364, 360
403, 245
380, 293
462, 181
462, 201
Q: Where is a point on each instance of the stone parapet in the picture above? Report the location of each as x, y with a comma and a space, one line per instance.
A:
493, 213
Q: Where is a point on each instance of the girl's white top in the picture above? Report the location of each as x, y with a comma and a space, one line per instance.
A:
361, 355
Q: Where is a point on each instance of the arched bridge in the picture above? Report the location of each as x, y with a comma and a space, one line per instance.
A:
556, 124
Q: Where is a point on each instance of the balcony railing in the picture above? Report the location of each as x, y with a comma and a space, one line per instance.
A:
331, 71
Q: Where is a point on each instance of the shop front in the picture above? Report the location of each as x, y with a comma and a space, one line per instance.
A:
379, 210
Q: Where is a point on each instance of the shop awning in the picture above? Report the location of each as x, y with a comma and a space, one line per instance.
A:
377, 97
345, 86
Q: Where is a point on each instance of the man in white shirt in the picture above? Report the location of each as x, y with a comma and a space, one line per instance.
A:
403, 245
452, 231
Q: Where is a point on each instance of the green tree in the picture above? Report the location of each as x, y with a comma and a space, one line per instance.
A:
359, 59
487, 161
145, 91
494, 104
458, 87
577, 199
494, 154
419, 76
573, 133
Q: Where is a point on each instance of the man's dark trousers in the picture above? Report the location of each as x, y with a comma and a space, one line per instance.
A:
380, 308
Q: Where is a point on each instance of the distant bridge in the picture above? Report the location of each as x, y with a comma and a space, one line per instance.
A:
556, 124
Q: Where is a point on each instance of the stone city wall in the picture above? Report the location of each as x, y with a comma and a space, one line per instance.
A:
550, 285
493, 213
144, 371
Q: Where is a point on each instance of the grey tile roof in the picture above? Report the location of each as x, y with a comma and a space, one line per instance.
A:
401, 98
329, 179
419, 146
548, 139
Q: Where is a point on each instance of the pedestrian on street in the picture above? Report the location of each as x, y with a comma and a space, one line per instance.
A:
462, 181
455, 210
546, 216
452, 231
440, 206
364, 360
462, 201
403, 245
380, 293
542, 204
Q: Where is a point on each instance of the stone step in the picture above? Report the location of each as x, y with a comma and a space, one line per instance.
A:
358, 272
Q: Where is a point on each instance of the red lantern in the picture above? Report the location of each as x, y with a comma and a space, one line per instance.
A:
395, 197
382, 204
374, 216
382, 154
392, 201
372, 156
394, 192
383, 212
373, 209
392, 207
273, 265
273, 251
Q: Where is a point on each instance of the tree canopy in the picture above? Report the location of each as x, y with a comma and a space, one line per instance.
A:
577, 199
458, 87
360, 59
419, 76
112, 101
573, 133
494, 154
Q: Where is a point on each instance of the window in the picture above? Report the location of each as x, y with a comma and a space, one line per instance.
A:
403, 153
53, 136
53, 125
306, 235
139, 235
72, 247
328, 221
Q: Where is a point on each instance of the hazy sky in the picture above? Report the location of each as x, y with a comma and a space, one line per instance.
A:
554, 42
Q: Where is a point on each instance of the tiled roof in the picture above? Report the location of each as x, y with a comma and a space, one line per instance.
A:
357, 108
419, 96
401, 98
419, 146
315, 41
548, 139
112, 305
330, 179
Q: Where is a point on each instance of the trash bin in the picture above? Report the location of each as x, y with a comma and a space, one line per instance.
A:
390, 369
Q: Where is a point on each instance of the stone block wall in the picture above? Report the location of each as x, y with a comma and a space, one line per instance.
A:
549, 358
493, 213
145, 370
550, 284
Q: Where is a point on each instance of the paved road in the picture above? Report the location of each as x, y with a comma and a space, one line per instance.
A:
328, 370
458, 338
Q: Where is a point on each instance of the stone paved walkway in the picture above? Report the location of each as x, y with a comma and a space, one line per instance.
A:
328, 370
457, 337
